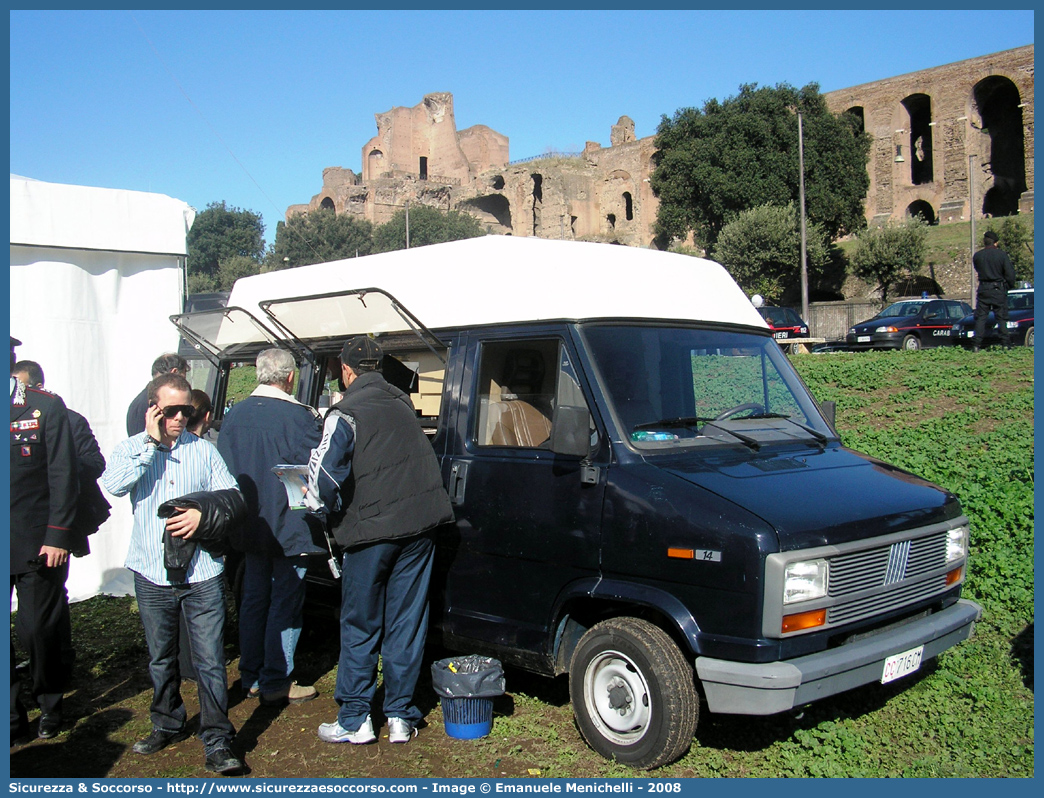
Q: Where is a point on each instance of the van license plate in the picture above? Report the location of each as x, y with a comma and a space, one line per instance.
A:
899, 665
863, 339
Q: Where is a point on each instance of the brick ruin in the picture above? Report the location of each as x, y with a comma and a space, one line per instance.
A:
930, 129
419, 156
933, 128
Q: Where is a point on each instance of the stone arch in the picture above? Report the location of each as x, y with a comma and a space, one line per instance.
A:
924, 210
919, 128
376, 161
998, 101
496, 206
327, 204
857, 113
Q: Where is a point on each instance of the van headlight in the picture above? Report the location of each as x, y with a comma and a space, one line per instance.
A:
957, 543
804, 580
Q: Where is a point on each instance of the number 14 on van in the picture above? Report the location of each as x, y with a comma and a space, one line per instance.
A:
899, 665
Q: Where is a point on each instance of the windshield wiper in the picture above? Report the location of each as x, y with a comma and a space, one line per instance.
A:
819, 436
668, 423
746, 439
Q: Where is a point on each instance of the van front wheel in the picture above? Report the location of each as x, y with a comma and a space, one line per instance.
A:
633, 693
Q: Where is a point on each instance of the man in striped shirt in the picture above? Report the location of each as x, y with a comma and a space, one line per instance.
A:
166, 462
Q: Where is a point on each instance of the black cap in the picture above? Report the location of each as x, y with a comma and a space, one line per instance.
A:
989, 235
361, 353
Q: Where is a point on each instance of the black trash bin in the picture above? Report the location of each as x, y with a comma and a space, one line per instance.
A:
466, 687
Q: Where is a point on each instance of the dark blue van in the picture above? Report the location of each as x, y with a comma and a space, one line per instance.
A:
647, 497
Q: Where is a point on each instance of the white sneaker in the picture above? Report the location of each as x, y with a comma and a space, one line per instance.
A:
334, 733
400, 731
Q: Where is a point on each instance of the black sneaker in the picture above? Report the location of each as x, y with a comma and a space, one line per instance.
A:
224, 761
158, 740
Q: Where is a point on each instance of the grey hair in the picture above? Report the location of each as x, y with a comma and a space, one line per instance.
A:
274, 367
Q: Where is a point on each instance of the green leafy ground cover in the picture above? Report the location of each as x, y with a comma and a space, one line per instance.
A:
964, 421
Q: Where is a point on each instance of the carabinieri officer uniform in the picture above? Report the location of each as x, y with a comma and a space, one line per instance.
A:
44, 490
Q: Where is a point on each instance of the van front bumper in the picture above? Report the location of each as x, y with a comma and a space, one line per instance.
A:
743, 688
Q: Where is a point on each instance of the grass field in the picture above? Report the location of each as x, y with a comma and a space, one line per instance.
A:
964, 421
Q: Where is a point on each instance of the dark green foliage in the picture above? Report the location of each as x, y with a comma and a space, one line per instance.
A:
319, 236
427, 226
761, 248
1016, 238
218, 233
885, 255
714, 162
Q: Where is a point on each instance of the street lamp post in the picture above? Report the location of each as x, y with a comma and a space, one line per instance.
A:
801, 194
971, 214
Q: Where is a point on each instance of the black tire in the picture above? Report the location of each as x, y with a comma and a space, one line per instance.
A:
911, 343
1029, 337
633, 693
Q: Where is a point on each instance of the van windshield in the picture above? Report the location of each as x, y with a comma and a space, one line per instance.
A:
680, 386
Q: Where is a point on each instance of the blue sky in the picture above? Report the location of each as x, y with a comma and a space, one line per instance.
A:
250, 106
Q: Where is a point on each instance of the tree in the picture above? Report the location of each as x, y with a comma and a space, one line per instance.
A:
885, 255
712, 163
220, 232
427, 226
1016, 239
318, 236
761, 248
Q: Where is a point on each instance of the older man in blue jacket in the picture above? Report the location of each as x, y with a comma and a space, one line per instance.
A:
269, 428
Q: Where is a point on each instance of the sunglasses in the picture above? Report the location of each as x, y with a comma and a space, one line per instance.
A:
188, 411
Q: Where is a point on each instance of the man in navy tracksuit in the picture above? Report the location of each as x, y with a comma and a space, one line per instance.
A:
270, 428
377, 474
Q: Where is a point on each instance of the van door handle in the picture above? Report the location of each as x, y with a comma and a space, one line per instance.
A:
458, 481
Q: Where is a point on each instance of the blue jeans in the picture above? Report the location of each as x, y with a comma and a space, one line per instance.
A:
203, 606
270, 620
384, 611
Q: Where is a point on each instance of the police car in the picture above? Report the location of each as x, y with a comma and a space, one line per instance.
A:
1020, 323
909, 324
785, 323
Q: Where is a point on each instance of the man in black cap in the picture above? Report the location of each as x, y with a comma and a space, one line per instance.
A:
377, 475
996, 277
44, 490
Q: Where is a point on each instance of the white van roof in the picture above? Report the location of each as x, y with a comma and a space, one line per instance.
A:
494, 279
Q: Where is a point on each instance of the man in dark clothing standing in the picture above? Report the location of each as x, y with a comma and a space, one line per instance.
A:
996, 277
268, 428
169, 363
376, 473
44, 491
92, 509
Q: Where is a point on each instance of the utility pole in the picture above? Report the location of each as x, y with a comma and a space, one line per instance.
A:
804, 258
407, 224
971, 213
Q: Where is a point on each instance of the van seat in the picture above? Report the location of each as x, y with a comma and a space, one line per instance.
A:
519, 424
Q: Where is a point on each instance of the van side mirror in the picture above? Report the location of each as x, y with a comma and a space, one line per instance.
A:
829, 409
571, 431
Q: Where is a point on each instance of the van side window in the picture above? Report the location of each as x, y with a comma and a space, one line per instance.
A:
420, 373
517, 384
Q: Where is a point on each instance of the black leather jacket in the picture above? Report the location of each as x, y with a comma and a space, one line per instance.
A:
220, 512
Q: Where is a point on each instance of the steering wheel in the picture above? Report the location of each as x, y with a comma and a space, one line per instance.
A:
738, 409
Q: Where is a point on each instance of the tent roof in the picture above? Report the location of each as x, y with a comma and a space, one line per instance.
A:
494, 279
84, 217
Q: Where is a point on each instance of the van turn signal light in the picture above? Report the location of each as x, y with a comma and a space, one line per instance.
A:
681, 554
804, 620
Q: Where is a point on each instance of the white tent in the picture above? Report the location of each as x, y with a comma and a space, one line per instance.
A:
95, 275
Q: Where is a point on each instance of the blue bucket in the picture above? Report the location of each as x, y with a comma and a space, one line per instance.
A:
467, 718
